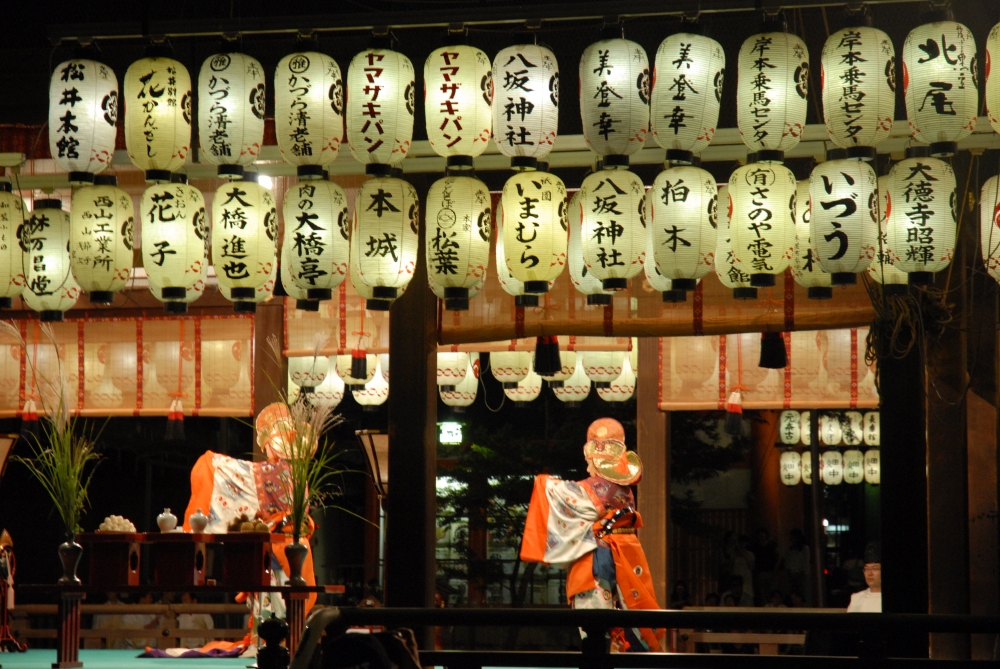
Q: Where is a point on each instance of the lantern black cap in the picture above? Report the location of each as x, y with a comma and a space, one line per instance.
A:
943, 149
49, 316
320, 294
684, 284
611, 28
615, 161
599, 385
614, 284
102, 297
307, 305
456, 304
48, 204
6, 187
251, 177
242, 293
230, 172
751, 157
770, 156
543, 166
836, 154
378, 170
856, 17
310, 172
460, 163
762, 280
81, 178
820, 293
526, 301
158, 176
509, 385
744, 293
6, 302
175, 308
936, 14
844, 278
178, 178
377, 305
919, 151
774, 23
105, 180
554, 384
865, 153
536, 287
242, 307
385, 293
173, 293
920, 278
599, 299
690, 24
674, 295
680, 156
524, 163
895, 289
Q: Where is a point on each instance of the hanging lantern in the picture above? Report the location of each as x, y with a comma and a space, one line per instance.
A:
858, 79
771, 91
806, 270
791, 468
921, 216
806, 466
684, 206
622, 388
881, 269
844, 225
582, 278
380, 105
231, 96
294, 291
509, 367
451, 369
873, 467
872, 429
44, 239
191, 295
534, 229
11, 267
567, 365
730, 274
510, 285
83, 112
939, 82
345, 368
458, 97
656, 280
853, 428
261, 293
575, 388
603, 367
465, 390
789, 431
244, 230
614, 99
527, 390
989, 228
329, 393
318, 236
830, 432
374, 394
308, 111
612, 227
459, 229
854, 466
384, 236
157, 116
308, 372
174, 240
762, 220
992, 82
806, 428
526, 106
831, 465
101, 222
367, 292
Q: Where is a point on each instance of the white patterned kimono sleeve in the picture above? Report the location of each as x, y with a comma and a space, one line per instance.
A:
570, 533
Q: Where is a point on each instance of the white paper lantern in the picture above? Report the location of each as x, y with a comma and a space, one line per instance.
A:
881, 269
832, 467
575, 388
684, 205
308, 372
231, 103
989, 226
386, 220
568, 362
244, 233
854, 466
262, 293
603, 367
157, 116
623, 388
527, 390
585, 281
308, 111
526, 103
101, 219
329, 393
656, 280
762, 220
872, 429
459, 229
465, 391
83, 113
940, 84
806, 466
731, 275
297, 293
921, 217
789, 427
858, 78
175, 235
853, 428
49, 284
806, 428
830, 432
614, 99
873, 467
374, 394
509, 367
992, 78
11, 267
380, 105
806, 269
451, 368
844, 225
458, 99
317, 236
772, 90
791, 468
612, 227
344, 369
535, 229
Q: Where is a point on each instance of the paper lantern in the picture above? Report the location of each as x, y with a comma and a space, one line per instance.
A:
992, 78
873, 467
623, 388
231, 103
380, 105
789, 430
83, 112
567, 365
308, 372
295, 292
384, 237
989, 227
458, 97
614, 99
921, 217
509, 367
685, 221
603, 367
329, 393
771, 91
451, 369
44, 239
262, 293
831, 466
806, 427
221, 362
464, 393
575, 388
101, 222
762, 220
11, 267
806, 466
585, 281
383, 364
854, 466
612, 227
881, 269
806, 269
157, 116
308, 111
528, 389
317, 235
853, 428
858, 79
535, 229
830, 432
939, 84
374, 394
844, 213
174, 240
510, 285
872, 429
526, 103
244, 231
730, 274
656, 280
459, 229
790, 463
344, 369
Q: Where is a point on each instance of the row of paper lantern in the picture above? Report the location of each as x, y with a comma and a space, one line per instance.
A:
851, 466
852, 428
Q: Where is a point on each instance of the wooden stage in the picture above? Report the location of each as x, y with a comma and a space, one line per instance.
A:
117, 659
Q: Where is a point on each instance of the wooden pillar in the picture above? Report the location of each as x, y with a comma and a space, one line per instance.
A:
653, 447
269, 375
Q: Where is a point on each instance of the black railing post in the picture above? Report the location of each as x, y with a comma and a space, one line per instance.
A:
595, 649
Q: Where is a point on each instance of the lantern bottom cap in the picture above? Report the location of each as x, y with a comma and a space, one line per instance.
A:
613, 161
572, 405
48, 203
680, 156
895, 289
79, 178
599, 299
378, 170
920, 278
460, 162
509, 385
446, 389
6, 302
555, 384
319, 294
844, 278
744, 293
102, 297
944, 149
242, 293
242, 307
175, 308
370, 408
521, 404
762, 280
918, 151
384, 293
456, 304
229, 171
377, 305
173, 293
458, 409
307, 305
536, 287
865, 153
455, 292
523, 163
309, 171
820, 293
49, 316
158, 176
602, 384
674, 295
684, 284
614, 284
769, 156
307, 389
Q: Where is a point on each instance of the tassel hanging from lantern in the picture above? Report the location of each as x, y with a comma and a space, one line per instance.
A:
175, 421
734, 413
772, 351
359, 363
547, 361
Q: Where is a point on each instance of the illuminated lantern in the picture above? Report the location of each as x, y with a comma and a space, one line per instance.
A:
614, 99
534, 229
992, 78
585, 281
509, 367
881, 269
380, 105
854, 466
83, 113
261, 293
174, 240
526, 103
384, 237
458, 99
383, 364
831, 466
244, 230
464, 393
459, 228
510, 285
791, 468
940, 83
853, 428
771, 91
528, 389
844, 217
317, 236
44, 238
656, 280
873, 467
921, 216
872, 429
101, 220
858, 79
329, 393
231, 96
762, 220
308, 372
603, 367
684, 207
308, 111
157, 116
806, 430
11, 268
575, 388
451, 369
830, 432
567, 365
687, 92
344, 369
989, 228
730, 274
622, 388
612, 227
805, 269
221, 363
807, 468
789, 427
374, 394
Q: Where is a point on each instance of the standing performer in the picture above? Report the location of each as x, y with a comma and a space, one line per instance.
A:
589, 527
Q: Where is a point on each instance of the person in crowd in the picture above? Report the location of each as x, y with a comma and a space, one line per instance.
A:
796, 600
712, 599
110, 622
193, 621
679, 596
869, 600
141, 621
736, 591
737, 560
797, 564
775, 600
765, 554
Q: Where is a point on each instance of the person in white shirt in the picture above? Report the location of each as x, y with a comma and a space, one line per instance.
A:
870, 599
193, 621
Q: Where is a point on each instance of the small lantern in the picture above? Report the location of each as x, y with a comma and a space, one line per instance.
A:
344, 368
854, 466
374, 394
380, 105
11, 261
853, 428
830, 432
940, 83
318, 236
881, 269
575, 388
527, 390
534, 229
993, 78
789, 431
465, 391
807, 467
791, 468
614, 99
244, 230
567, 365
872, 430
806, 269
582, 278
687, 93
526, 103
384, 237
451, 369
685, 221
623, 388
509, 367
329, 393
308, 111
458, 99
101, 219
844, 217
308, 372
603, 367
762, 220
231, 103
989, 228
45, 239
612, 227
873, 467
831, 465
83, 113
459, 229
157, 116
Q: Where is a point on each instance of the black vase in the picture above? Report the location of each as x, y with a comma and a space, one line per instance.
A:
296, 556
69, 555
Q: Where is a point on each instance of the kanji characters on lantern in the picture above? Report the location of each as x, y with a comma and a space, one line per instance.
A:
308, 111
730, 274
11, 269
380, 106
102, 219
684, 205
806, 269
612, 224
317, 234
175, 234
83, 113
459, 230
762, 223
244, 233
231, 104
526, 103
157, 95
384, 237
44, 240
458, 97
614, 99
844, 217
535, 228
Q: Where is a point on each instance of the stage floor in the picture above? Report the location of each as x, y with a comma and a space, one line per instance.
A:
117, 659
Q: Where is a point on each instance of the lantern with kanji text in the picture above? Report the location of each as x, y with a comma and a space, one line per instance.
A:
102, 219
83, 113
44, 241
762, 220
157, 96
459, 229
790, 464
535, 229
11, 267
384, 236
844, 216
231, 104
317, 236
806, 269
308, 111
614, 99
684, 205
175, 238
526, 103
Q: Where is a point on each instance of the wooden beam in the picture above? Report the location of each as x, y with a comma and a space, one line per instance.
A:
653, 447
